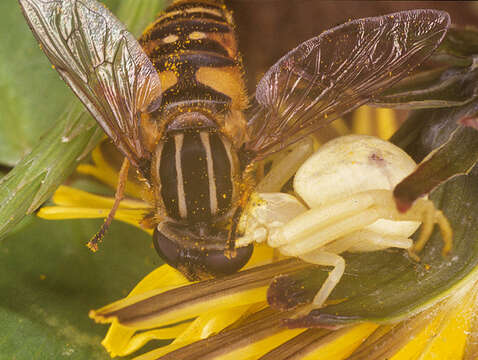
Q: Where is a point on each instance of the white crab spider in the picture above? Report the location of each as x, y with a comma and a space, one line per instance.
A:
346, 187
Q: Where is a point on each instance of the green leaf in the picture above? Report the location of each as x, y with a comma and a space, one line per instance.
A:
448, 80
461, 43
442, 87
56, 155
428, 129
49, 280
32, 95
455, 157
35, 178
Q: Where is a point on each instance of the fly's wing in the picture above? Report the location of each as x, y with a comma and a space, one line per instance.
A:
102, 63
334, 73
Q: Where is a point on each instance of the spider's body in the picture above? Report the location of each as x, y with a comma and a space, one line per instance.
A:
347, 188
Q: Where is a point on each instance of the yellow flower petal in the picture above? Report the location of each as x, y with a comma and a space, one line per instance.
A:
105, 173
130, 216
68, 196
78, 204
201, 328
192, 309
340, 126
164, 277
243, 350
156, 307
261, 255
120, 340
341, 343
362, 121
211, 323
471, 346
386, 123
117, 339
416, 345
257, 349
62, 212
387, 342
450, 342
446, 331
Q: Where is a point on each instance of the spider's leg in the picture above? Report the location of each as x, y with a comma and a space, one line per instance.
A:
366, 240
323, 218
363, 240
344, 225
258, 236
265, 212
326, 259
432, 216
286, 167
422, 210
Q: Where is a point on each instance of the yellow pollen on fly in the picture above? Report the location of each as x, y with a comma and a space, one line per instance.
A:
197, 35
170, 39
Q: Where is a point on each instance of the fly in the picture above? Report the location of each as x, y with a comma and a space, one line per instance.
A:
174, 103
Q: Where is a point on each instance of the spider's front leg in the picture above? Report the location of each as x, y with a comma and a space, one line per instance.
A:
265, 214
267, 209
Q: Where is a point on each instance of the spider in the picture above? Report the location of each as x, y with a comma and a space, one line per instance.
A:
343, 202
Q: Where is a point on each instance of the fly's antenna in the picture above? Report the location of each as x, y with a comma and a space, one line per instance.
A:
119, 195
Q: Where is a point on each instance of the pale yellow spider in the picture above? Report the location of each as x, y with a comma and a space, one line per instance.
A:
344, 203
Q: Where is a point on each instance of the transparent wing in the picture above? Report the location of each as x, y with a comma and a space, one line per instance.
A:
102, 63
341, 69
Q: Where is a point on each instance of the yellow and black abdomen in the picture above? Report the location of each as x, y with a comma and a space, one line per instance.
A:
193, 47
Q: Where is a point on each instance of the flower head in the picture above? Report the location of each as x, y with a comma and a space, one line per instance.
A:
243, 316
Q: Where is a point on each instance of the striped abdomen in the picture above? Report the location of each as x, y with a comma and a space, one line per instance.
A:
193, 47
197, 169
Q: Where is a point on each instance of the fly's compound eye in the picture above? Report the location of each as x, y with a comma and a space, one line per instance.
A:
197, 257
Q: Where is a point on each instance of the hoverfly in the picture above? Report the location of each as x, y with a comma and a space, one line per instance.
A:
174, 104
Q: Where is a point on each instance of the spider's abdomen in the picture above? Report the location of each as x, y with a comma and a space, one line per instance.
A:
197, 170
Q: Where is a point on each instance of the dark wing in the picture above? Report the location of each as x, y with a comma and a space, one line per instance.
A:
102, 63
334, 73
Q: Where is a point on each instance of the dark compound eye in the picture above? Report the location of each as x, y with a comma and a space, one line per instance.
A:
219, 264
195, 257
167, 249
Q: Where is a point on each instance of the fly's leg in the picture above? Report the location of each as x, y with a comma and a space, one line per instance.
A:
119, 195
246, 189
